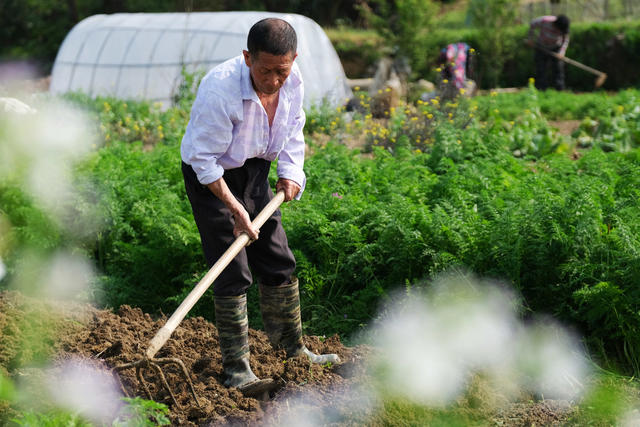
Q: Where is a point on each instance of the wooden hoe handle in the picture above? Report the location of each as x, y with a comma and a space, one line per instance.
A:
241, 241
601, 75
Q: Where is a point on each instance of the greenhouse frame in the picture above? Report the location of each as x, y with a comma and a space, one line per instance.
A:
144, 56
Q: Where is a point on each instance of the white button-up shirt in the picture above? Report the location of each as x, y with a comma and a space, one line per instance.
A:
229, 125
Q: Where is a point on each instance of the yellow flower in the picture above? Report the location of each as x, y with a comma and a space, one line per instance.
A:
493, 93
388, 89
472, 50
495, 110
438, 69
429, 116
445, 81
357, 88
160, 128
531, 80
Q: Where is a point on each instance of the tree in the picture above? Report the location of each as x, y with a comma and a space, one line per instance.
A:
492, 18
402, 23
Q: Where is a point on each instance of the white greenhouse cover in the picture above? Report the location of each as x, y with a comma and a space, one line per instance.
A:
141, 55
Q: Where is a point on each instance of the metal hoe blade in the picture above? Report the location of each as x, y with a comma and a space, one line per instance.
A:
144, 364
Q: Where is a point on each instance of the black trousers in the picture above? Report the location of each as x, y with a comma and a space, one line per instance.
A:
544, 64
269, 257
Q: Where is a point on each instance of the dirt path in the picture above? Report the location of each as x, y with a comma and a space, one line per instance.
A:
325, 395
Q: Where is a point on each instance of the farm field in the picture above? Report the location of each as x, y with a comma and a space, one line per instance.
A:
493, 187
90, 341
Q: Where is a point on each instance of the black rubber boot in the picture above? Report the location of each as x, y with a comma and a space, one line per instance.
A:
233, 333
280, 306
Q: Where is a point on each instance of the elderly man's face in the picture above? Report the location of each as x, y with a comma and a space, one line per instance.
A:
268, 72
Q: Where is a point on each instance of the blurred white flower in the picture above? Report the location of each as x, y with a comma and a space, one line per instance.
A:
305, 411
39, 150
3, 269
549, 361
13, 105
80, 387
66, 276
432, 343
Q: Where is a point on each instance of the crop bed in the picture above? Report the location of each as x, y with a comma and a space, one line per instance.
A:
104, 339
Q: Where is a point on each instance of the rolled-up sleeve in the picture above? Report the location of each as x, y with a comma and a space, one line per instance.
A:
208, 136
291, 158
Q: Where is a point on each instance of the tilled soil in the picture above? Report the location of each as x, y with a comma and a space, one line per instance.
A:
325, 395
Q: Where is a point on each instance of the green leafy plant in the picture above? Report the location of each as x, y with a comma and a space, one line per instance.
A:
52, 418
142, 412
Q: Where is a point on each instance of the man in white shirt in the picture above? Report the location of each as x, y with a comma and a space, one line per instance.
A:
247, 113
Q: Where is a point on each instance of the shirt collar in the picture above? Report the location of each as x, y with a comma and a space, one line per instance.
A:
247, 88
245, 82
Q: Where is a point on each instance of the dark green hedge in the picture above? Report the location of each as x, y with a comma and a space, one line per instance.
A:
610, 47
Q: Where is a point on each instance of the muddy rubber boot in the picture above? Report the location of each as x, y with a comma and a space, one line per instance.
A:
233, 333
280, 307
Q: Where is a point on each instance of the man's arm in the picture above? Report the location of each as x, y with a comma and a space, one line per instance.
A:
290, 188
535, 24
565, 45
291, 159
208, 136
242, 221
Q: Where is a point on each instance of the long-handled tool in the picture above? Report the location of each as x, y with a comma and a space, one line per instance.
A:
161, 337
601, 77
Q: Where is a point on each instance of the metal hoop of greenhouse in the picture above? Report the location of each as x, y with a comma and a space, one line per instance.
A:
141, 55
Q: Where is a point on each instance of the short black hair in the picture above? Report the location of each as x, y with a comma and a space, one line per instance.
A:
272, 35
562, 23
